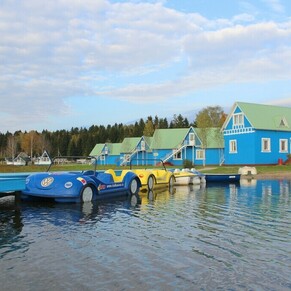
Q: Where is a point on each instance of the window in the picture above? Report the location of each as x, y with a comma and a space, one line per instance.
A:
191, 139
142, 145
200, 154
233, 146
238, 119
177, 155
266, 145
283, 146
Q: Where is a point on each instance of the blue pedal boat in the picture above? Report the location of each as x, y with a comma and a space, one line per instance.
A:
80, 186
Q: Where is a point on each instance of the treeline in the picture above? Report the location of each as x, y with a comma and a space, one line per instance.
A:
81, 141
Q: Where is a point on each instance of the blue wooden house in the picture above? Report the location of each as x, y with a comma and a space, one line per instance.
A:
211, 149
175, 145
135, 150
256, 134
107, 153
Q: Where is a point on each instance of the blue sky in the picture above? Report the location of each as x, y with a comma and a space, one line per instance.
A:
69, 63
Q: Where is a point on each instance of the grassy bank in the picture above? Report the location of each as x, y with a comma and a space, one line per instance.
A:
276, 169
260, 169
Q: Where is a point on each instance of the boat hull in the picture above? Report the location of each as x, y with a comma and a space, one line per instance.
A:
222, 178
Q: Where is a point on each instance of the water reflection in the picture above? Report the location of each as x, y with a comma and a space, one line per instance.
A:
10, 224
227, 237
211, 200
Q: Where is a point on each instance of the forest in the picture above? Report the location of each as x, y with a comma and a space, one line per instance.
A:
81, 141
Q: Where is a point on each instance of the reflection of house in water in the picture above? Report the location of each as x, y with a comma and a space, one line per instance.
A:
21, 160
43, 160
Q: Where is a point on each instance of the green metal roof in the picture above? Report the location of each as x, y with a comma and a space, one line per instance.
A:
148, 140
169, 138
210, 137
114, 149
129, 144
267, 117
97, 149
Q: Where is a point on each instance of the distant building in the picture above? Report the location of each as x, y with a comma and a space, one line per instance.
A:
21, 160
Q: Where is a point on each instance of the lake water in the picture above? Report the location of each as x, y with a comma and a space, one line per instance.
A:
234, 237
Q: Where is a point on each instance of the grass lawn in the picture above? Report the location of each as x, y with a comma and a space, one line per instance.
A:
260, 169
79, 167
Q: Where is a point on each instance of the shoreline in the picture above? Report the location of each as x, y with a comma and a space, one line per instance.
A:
266, 176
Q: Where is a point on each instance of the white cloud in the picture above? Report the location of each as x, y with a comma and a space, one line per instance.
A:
56, 50
275, 5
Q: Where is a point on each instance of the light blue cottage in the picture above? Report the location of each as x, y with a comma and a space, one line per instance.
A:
256, 134
135, 150
107, 153
200, 146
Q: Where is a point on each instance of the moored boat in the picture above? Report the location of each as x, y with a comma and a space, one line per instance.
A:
186, 177
222, 178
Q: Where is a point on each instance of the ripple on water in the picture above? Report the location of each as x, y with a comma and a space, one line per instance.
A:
193, 238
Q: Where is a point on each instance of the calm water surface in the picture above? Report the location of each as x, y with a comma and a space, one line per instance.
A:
234, 237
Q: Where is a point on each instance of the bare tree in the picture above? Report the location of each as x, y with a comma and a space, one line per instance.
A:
11, 146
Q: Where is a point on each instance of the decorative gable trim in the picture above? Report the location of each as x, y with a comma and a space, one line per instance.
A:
242, 130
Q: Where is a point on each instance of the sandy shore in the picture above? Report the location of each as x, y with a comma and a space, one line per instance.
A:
277, 175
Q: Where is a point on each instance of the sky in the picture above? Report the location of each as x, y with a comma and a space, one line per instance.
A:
72, 63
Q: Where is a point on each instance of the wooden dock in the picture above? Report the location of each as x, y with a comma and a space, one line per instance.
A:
10, 183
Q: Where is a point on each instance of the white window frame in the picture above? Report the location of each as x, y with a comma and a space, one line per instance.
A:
266, 145
102, 157
200, 154
142, 145
233, 146
282, 148
191, 138
177, 155
238, 119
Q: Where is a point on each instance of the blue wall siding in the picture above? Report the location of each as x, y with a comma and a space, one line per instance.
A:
109, 160
274, 155
212, 157
141, 158
249, 148
246, 144
190, 154
237, 110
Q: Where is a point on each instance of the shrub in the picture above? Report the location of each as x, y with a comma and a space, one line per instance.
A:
188, 164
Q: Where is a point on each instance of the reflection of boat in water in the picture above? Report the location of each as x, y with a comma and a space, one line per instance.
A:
187, 189
91, 211
244, 182
157, 193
